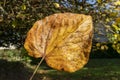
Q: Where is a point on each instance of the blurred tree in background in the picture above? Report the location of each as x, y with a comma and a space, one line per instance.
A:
18, 16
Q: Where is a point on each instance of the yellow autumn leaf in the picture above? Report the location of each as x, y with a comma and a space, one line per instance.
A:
99, 1
118, 45
115, 27
118, 50
98, 44
107, 20
114, 46
106, 47
14, 24
66, 44
117, 3
119, 38
115, 36
102, 47
117, 20
114, 14
56, 5
23, 7
114, 42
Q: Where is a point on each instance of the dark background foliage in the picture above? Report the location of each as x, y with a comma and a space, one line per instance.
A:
18, 16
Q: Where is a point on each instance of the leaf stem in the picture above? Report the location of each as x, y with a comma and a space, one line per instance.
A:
37, 67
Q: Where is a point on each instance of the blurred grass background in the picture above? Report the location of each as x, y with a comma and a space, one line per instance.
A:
14, 66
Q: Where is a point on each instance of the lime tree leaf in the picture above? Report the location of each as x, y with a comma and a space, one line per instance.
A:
117, 3
99, 1
115, 27
14, 24
64, 39
56, 5
118, 20
23, 7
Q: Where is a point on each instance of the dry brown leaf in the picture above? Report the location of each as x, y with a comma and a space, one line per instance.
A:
64, 38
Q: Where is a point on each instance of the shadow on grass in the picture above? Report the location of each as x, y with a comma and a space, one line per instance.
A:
14, 71
96, 69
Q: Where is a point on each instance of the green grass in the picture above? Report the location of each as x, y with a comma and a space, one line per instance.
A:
96, 69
